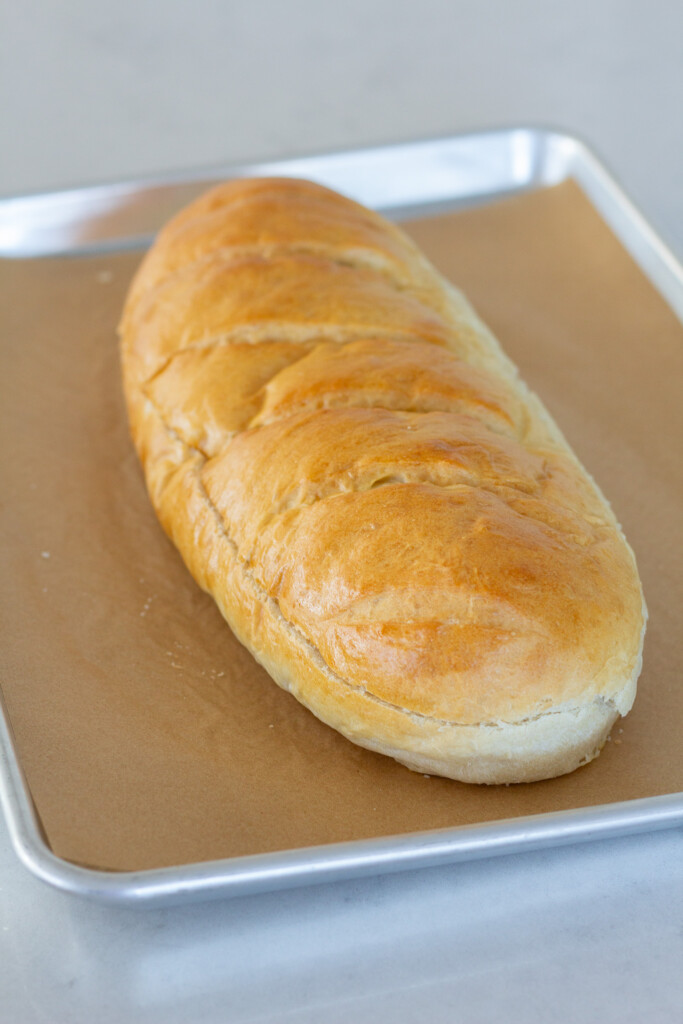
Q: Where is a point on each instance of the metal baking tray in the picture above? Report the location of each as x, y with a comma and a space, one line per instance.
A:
400, 181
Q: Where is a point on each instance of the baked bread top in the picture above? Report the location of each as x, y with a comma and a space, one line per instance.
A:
385, 514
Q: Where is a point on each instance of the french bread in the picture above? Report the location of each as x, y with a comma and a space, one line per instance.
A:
386, 516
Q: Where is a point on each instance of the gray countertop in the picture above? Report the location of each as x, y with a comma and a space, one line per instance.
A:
94, 92
584, 933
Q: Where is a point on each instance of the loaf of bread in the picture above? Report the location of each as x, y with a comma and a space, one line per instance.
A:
385, 514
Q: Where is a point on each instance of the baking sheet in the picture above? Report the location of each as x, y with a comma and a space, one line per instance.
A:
148, 737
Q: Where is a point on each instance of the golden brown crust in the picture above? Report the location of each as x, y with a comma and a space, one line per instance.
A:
384, 514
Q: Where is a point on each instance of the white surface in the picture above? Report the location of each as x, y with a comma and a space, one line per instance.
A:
98, 92
584, 934
102, 92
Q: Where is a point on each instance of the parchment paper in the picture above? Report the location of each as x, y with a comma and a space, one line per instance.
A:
148, 735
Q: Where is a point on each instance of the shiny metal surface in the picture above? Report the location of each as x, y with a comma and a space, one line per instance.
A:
401, 181
390, 178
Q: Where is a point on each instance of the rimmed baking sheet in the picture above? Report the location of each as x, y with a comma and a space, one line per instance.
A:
150, 759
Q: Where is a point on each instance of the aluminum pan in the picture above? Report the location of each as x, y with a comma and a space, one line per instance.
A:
269, 872
404, 180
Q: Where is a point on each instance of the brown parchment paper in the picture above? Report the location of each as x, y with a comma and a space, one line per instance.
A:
148, 736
